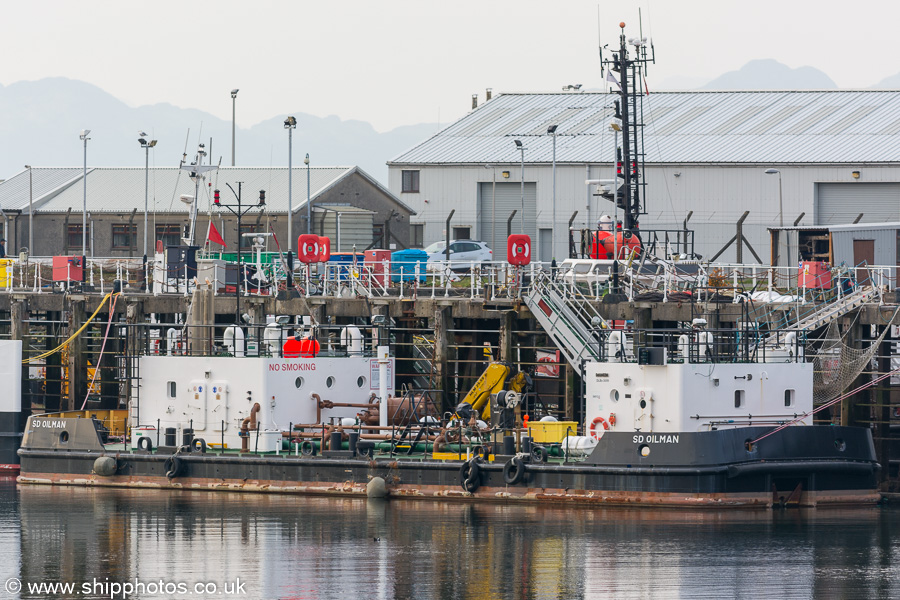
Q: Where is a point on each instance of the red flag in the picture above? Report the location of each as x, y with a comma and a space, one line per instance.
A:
212, 234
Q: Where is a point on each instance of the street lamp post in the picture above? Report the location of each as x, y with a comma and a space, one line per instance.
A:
493, 206
146, 146
552, 131
308, 207
780, 202
233, 96
84, 138
30, 211
290, 124
522, 151
239, 213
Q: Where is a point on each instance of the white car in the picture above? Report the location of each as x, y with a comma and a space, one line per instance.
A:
462, 254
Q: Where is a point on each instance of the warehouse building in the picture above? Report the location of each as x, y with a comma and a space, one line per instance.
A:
346, 204
831, 156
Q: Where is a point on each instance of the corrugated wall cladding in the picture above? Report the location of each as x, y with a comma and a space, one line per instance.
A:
885, 244
681, 127
355, 229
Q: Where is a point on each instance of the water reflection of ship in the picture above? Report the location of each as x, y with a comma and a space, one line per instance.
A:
289, 546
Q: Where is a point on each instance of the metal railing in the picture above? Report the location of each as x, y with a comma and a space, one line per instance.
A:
641, 279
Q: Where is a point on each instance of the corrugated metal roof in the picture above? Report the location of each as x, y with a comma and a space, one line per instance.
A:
122, 189
681, 127
45, 181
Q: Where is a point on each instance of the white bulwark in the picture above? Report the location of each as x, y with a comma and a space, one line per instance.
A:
210, 395
706, 152
689, 397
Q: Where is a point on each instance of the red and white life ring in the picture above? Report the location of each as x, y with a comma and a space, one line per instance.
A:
594, 429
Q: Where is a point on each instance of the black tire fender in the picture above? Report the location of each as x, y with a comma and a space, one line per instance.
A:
470, 476
199, 445
514, 470
145, 443
538, 454
173, 466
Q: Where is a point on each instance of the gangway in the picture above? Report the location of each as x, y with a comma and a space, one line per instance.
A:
826, 313
568, 318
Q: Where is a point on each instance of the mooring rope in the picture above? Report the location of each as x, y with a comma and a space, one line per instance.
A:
72, 337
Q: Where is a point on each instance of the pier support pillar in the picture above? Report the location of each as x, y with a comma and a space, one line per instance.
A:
882, 415
571, 391
643, 319
442, 320
507, 325
18, 311
848, 407
77, 363
202, 316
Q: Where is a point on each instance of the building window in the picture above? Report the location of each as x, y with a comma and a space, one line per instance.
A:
124, 237
378, 235
73, 237
416, 236
247, 242
788, 398
410, 182
169, 235
739, 398
462, 233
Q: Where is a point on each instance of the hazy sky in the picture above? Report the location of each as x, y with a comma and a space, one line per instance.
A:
400, 62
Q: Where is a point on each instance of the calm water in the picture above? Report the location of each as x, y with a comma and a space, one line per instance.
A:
291, 547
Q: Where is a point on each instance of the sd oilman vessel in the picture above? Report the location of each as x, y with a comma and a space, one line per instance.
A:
692, 416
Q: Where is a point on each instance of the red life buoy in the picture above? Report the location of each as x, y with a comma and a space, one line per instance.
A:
594, 427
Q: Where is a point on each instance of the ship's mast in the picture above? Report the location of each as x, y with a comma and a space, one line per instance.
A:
630, 74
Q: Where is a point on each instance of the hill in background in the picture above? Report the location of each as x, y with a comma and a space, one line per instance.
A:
41, 121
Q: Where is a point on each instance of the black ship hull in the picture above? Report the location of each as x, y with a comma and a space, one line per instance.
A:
807, 466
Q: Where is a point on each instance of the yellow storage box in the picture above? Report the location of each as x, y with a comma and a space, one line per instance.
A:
7, 272
551, 432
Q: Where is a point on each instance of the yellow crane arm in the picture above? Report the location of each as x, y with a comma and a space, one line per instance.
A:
490, 382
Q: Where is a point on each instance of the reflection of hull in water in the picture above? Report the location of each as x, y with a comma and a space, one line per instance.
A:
809, 466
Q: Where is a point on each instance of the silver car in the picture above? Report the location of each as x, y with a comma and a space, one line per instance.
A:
462, 254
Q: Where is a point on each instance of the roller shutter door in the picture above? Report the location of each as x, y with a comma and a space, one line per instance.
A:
841, 203
508, 197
